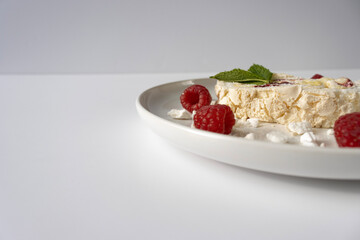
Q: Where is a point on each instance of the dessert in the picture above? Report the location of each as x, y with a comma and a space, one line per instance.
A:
251, 103
283, 98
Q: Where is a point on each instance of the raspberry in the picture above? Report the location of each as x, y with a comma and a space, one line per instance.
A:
317, 76
347, 130
195, 97
215, 118
347, 83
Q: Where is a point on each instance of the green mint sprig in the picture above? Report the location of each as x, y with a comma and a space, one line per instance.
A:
261, 71
256, 74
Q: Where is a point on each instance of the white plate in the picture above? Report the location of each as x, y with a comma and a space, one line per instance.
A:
328, 163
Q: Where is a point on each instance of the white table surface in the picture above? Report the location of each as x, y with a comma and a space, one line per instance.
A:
76, 162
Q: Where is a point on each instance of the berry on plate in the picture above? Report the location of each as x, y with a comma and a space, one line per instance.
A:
215, 118
347, 130
317, 76
195, 97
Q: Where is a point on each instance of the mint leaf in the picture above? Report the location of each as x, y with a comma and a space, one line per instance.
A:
261, 72
256, 74
235, 75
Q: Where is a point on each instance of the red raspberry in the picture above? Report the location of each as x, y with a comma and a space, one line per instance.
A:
195, 97
347, 130
317, 76
215, 118
348, 83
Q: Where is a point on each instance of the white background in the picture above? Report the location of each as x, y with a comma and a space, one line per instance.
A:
125, 36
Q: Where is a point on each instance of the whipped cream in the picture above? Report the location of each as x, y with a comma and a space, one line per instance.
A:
250, 136
254, 122
299, 127
330, 132
308, 139
277, 137
179, 114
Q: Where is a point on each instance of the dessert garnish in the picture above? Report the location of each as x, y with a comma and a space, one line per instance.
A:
299, 128
180, 114
308, 139
347, 130
215, 118
317, 76
256, 74
195, 97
